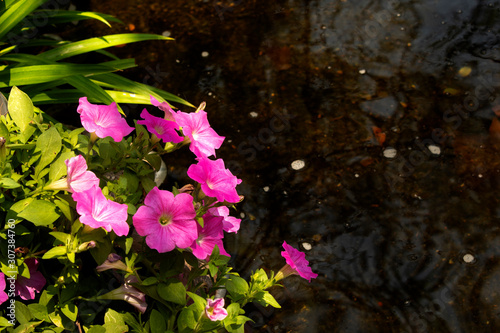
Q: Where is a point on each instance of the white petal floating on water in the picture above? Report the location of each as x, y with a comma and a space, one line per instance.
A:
434, 149
306, 246
298, 164
390, 152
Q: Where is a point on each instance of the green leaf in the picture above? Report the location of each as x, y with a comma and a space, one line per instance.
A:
64, 207
39, 311
173, 291
98, 43
49, 143
58, 168
70, 310
16, 13
23, 314
61, 236
55, 252
9, 183
236, 286
186, 322
4, 322
264, 298
157, 323
40, 213
199, 302
20, 108
150, 281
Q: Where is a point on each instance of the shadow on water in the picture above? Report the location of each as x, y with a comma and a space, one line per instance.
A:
387, 109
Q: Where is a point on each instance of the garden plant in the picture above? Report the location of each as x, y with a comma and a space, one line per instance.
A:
92, 238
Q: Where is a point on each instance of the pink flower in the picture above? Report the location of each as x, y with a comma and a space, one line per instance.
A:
96, 211
210, 235
104, 120
215, 309
79, 179
296, 263
204, 140
3, 294
169, 113
163, 129
127, 292
216, 181
26, 288
166, 220
229, 223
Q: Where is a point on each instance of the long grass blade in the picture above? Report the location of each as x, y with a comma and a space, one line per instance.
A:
27, 75
97, 43
16, 13
121, 83
56, 17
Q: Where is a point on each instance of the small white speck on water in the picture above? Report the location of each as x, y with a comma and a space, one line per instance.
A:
266, 188
254, 114
204, 54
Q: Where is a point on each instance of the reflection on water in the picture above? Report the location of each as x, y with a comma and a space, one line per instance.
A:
365, 131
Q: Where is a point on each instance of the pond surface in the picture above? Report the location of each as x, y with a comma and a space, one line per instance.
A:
366, 133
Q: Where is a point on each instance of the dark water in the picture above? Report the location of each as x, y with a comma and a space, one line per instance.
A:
402, 244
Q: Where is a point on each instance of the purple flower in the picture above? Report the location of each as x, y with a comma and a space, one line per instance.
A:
215, 309
204, 140
210, 235
103, 120
3, 294
163, 129
113, 262
216, 181
229, 223
296, 263
26, 288
96, 211
127, 292
166, 220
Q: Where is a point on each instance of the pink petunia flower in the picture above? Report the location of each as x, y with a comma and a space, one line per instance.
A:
103, 120
96, 211
216, 181
26, 288
127, 292
296, 264
3, 294
166, 220
210, 235
204, 140
215, 309
229, 223
78, 178
169, 113
163, 129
